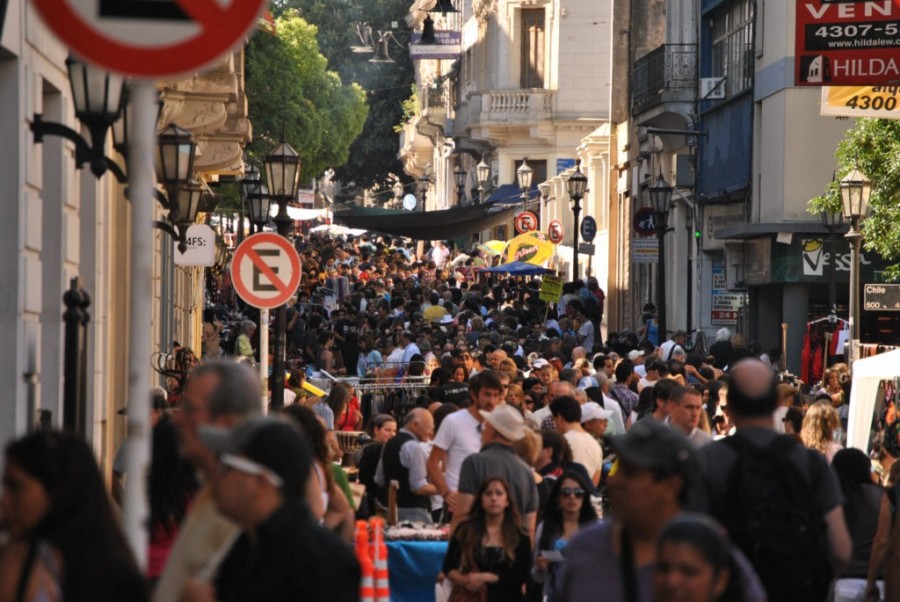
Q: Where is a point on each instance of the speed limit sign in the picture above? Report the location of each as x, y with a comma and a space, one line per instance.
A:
555, 232
526, 222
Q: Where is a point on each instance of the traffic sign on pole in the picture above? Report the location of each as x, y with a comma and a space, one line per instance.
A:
526, 222
555, 232
150, 38
588, 228
265, 270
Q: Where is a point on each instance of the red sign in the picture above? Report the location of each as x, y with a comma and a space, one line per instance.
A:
265, 270
847, 43
152, 40
555, 232
644, 223
526, 222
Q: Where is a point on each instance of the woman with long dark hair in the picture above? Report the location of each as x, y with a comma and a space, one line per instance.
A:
489, 553
568, 509
65, 543
862, 501
172, 484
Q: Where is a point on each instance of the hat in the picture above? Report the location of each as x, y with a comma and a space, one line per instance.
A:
634, 354
592, 411
652, 445
540, 363
679, 333
507, 421
272, 443
446, 319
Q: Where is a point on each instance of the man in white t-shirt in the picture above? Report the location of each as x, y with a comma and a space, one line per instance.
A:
460, 436
585, 449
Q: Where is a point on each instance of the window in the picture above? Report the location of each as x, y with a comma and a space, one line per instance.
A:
732, 50
532, 58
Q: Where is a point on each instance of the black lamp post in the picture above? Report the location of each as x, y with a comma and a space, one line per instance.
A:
174, 164
483, 173
832, 220
283, 176
460, 175
661, 199
523, 175
424, 183
577, 187
856, 189
98, 98
250, 186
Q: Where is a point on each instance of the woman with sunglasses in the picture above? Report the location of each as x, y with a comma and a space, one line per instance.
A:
568, 509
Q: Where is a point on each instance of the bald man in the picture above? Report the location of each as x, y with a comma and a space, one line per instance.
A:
404, 460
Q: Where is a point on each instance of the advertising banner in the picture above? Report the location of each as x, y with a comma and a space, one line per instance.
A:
882, 102
847, 43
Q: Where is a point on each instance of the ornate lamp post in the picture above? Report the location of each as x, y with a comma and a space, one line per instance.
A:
283, 176
661, 199
460, 176
577, 187
856, 189
483, 174
524, 175
832, 220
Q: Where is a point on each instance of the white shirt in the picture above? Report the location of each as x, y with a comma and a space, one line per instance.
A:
460, 437
587, 331
396, 356
616, 423
409, 351
585, 450
666, 348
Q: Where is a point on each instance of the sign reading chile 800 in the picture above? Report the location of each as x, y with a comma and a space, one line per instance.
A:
150, 38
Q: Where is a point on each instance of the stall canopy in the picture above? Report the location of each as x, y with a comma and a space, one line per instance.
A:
425, 225
300, 214
867, 374
518, 268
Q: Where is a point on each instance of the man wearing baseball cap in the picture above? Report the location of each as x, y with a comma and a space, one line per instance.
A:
501, 428
282, 553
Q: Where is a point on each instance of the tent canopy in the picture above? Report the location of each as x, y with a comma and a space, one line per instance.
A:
867, 374
518, 268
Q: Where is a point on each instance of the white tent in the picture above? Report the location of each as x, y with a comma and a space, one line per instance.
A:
867, 374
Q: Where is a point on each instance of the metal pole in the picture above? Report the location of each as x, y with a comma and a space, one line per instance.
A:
832, 259
661, 223
855, 238
283, 223
576, 209
264, 356
76, 318
140, 172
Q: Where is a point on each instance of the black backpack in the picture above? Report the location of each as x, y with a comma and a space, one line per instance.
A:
770, 512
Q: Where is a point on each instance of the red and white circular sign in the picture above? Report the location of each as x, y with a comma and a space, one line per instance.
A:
266, 270
150, 39
555, 231
526, 222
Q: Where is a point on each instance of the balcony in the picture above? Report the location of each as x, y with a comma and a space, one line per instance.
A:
490, 115
665, 74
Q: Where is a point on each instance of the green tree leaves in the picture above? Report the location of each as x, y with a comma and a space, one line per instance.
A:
873, 147
292, 94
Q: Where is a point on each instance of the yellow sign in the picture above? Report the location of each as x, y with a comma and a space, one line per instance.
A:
551, 288
529, 248
861, 101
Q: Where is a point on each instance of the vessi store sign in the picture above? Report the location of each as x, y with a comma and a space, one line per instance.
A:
841, 42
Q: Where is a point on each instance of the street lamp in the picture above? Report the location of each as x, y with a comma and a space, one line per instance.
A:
283, 176
856, 189
174, 163
832, 220
97, 96
661, 199
250, 189
523, 175
483, 174
424, 183
460, 175
259, 203
577, 187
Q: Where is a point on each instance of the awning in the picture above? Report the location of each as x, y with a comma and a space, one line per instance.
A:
300, 215
426, 225
759, 229
511, 194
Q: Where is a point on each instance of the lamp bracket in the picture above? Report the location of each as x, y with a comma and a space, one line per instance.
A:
84, 152
177, 233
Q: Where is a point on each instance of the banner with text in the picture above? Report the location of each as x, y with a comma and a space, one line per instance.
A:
882, 102
847, 43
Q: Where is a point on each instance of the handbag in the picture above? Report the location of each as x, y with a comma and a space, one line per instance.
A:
461, 594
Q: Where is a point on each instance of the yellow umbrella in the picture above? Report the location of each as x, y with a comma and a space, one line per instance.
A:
493, 247
529, 248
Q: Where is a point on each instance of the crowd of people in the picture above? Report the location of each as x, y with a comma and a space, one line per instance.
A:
567, 467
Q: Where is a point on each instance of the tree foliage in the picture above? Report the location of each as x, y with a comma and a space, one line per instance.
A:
292, 94
873, 147
373, 155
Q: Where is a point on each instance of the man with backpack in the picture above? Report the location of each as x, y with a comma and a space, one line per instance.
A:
780, 502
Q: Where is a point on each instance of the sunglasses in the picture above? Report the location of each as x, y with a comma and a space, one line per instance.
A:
231, 462
577, 492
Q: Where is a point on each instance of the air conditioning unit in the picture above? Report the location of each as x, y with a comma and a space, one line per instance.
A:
712, 88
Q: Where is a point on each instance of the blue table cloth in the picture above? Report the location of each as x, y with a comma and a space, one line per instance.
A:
413, 567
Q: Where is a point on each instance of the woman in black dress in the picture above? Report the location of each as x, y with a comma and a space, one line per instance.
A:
489, 556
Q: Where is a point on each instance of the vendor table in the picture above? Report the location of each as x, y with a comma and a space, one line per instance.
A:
414, 567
